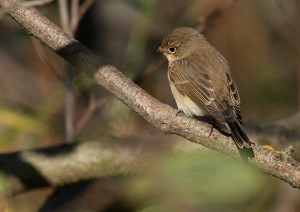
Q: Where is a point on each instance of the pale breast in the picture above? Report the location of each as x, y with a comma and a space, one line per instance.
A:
185, 104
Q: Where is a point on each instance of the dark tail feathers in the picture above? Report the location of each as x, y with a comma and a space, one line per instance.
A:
240, 139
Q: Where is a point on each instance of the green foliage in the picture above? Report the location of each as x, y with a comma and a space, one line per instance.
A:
21, 120
197, 181
3, 185
139, 36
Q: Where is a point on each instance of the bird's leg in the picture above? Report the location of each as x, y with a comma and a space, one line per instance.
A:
213, 124
177, 113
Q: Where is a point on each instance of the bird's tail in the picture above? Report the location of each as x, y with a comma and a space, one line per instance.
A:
241, 139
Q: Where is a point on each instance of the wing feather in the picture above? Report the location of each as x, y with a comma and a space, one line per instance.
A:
196, 85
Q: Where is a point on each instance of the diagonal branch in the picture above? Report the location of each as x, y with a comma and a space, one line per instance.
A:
163, 117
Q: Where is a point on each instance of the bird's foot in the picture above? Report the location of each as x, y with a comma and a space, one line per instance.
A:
210, 131
213, 124
177, 113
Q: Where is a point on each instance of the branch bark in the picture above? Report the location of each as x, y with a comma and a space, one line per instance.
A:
163, 117
67, 163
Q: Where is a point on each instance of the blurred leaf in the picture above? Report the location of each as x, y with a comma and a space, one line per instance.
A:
195, 180
7, 135
3, 185
153, 209
21, 121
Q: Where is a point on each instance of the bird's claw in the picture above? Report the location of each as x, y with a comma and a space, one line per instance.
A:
177, 113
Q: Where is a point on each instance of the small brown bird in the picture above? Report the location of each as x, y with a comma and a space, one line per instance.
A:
201, 83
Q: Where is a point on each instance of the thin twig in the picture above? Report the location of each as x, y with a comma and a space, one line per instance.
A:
26, 4
44, 57
65, 19
88, 113
284, 16
84, 7
74, 20
150, 69
69, 105
205, 22
64, 15
35, 3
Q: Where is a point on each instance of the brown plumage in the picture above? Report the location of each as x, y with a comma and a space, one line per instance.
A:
201, 83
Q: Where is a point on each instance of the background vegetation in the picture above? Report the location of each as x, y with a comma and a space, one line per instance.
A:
259, 40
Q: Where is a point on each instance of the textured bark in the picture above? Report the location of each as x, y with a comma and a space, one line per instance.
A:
163, 117
64, 164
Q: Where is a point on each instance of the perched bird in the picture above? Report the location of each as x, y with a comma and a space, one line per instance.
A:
201, 83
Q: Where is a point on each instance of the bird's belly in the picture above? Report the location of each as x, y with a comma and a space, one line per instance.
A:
185, 104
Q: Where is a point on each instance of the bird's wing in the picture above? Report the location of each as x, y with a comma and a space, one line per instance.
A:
233, 101
193, 81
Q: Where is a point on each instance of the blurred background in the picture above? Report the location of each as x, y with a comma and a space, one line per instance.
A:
260, 40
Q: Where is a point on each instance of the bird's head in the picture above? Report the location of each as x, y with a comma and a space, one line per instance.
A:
180, 43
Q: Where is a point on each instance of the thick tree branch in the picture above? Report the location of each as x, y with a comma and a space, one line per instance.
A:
69, 163
163, 117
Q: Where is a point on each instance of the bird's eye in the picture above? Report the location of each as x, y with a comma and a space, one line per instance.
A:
172, 49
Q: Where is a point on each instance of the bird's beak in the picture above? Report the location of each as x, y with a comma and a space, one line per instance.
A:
159, 49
